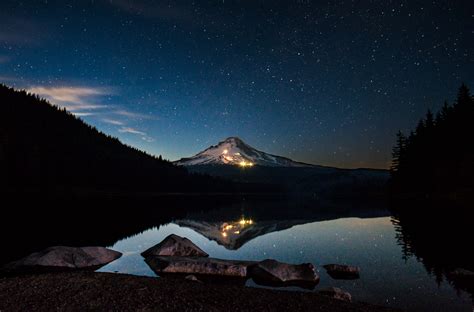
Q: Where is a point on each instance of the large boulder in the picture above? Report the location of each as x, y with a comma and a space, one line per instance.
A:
176, 246
198, 266
336, 293
59, 258
339, 271
273, 273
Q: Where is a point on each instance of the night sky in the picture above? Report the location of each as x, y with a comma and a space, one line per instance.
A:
325, 82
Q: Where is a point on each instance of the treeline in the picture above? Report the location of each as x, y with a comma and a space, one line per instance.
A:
436, 160
45, 147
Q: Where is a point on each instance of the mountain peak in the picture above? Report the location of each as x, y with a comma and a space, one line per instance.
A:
234, 151
235, 140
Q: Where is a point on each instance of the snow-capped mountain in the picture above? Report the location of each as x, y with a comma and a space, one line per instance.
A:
234, 151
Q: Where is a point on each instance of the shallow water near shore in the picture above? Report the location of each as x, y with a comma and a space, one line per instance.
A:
368, 241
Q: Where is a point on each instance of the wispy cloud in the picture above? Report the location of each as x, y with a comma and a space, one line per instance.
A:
130, 130
113, 121
79, 114
133, 115
74, 99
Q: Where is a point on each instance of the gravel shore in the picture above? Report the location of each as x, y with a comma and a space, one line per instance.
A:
88, 291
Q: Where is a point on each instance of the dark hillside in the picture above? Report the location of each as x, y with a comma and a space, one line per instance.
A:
45, 147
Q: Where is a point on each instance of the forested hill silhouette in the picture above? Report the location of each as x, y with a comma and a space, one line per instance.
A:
437, 159
47, 148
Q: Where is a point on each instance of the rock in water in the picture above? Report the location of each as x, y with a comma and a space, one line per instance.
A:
195, 265
336, 293
174, 245
339, 271
273, 273
59, 258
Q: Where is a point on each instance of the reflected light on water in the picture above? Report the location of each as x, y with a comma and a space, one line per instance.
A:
235, 227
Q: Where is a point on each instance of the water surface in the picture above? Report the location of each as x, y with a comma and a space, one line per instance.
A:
370, 243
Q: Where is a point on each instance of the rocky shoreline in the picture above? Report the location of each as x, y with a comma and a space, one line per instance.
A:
62, 278
87, 291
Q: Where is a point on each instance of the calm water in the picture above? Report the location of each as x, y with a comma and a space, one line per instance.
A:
371, 243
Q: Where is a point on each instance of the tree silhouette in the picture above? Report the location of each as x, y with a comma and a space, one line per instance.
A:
437, 159
398, 152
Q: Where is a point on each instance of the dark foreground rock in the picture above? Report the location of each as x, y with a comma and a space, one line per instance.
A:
339, 271
273, 273
199, 266
59, 258
336, 293
87, 291
174, 245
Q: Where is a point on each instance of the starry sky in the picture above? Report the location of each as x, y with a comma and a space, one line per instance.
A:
325, 82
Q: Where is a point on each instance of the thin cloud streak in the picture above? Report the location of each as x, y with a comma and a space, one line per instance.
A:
145, 137
131, 130
133, 115
113, 121
79, 114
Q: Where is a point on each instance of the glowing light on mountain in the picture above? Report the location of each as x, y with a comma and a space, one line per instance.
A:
225, 152
244, 163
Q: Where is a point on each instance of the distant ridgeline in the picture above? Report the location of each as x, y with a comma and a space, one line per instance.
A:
44, 147
437, 159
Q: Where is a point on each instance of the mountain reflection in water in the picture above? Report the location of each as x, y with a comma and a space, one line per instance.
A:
398, 267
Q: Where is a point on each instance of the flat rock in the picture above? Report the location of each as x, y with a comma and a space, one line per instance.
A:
339, 271
59, 258
336, 293
198, 266
273, 273
176, 246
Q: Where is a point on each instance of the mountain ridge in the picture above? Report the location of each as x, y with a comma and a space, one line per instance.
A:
234, 151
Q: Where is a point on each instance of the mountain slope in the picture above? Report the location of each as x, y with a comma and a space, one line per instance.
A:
234, 151
44, 147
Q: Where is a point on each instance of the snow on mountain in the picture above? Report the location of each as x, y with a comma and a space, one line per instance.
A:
234, 151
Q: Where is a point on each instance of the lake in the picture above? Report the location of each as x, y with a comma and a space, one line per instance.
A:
369, 242
396, 269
